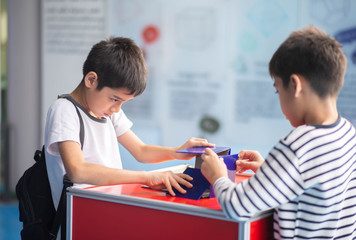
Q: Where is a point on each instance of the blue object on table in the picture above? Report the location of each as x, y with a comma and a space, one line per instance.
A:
230, 162
198, 151
201, 150
200, 185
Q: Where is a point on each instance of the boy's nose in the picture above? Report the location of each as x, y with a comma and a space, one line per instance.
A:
116, 107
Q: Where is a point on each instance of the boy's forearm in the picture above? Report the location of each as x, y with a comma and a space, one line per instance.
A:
156, 154
101, 175
146, 153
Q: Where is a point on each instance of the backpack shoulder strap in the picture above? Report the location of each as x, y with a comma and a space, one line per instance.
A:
60, 217
81, 131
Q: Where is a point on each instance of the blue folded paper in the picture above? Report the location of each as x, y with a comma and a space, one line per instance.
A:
201, 150
200, 185
198, 151
230, 161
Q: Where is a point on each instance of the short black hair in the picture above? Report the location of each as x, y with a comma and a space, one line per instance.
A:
313, 54
118, 63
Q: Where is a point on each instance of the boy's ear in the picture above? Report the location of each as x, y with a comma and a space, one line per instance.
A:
91, 80
296, 84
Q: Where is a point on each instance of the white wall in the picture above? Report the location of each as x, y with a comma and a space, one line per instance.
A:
207, 60
24, 72
23, 99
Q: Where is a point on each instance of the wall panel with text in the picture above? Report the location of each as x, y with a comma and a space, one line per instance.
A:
207, 59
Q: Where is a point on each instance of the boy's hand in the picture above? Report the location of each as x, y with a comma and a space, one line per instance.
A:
192, 142
249, 160
212, 167
168, 179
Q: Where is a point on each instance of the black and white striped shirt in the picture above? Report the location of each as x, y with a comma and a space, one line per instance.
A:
309, 177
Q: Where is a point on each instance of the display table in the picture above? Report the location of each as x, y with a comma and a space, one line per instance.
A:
129, 211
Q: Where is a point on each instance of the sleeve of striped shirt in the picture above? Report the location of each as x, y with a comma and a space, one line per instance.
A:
276, 182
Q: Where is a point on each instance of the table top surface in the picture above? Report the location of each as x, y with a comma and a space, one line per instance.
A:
136, 190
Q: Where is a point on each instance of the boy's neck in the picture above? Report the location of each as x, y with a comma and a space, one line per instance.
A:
322, 112
79, 95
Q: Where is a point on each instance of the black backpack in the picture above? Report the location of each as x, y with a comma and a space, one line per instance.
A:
37, 212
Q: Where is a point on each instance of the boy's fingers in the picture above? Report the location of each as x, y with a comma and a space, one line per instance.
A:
175, 181
184, 181
177, 186
169, 187
208, 151
185, 176
243, 163
203, 142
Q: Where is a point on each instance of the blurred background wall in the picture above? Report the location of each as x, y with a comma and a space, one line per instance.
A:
21, 89
207, 59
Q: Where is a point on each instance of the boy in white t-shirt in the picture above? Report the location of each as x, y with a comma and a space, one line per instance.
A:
113, 73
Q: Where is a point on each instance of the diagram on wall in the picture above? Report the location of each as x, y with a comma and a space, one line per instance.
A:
142, 22
195, 28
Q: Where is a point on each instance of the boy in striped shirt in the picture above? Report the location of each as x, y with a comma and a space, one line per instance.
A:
309, 176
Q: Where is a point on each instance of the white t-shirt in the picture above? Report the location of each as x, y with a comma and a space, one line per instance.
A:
100, 139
